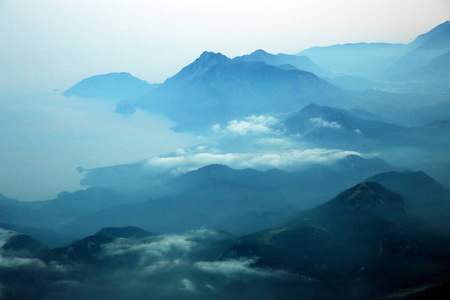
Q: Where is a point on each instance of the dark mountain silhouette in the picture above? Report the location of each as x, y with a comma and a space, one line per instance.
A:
361, 243
90, 249
111, 85
49, 237
124, 232
22, 245
424, 196
215, 88
283, 60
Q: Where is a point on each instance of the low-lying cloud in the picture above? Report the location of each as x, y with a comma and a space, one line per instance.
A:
319, 122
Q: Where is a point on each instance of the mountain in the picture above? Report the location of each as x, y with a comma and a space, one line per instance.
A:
124, 232
215, 88
301, 184
332, 127
424, 196
436, 37
436, 71
111, 85
15, 244
238, 201
90, 249
426, 47
379, 60
41, 219
354, 83
213, 203
360, 243
49, 237
300, 62
359, 60
68, 206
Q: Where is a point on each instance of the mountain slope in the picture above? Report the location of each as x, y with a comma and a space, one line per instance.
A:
360, 59
425, 48
215, 88
361, 243
332, 127
436, 71
424, 196
111, 85
300, 62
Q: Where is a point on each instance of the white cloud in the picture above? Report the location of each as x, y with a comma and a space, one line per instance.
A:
284, 158
16, 262
188, 285
319, 122
238, 268
253, 125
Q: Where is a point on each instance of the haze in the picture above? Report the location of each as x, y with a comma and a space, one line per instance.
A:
50, 45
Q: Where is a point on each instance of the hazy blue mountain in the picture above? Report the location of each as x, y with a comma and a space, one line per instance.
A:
215, 88
111, 85
425, 48
380, 60
366, 115
302, 184
437, 71
434, 37
4, 200
360, 59
213, 203
353, 83
238, 201
283, 61
71, 205
332, 127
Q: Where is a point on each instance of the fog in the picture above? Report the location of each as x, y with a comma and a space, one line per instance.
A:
246, 174
45, 137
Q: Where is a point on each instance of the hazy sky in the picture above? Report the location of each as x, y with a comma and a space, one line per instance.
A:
48, 44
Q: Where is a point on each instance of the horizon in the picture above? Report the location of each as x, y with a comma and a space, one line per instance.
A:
51, 49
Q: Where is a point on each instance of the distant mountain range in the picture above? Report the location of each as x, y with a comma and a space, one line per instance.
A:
437, 71
381, 60
118, 86
300, 62
425, 48
215, 88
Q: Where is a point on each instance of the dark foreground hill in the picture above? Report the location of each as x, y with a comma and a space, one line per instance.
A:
361, 243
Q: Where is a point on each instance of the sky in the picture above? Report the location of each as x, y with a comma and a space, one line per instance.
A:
49, 44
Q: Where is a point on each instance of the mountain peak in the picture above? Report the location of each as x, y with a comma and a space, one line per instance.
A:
116, 85
212, 58
123, 232
261, 53
442, 31
368, 197
200, 66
